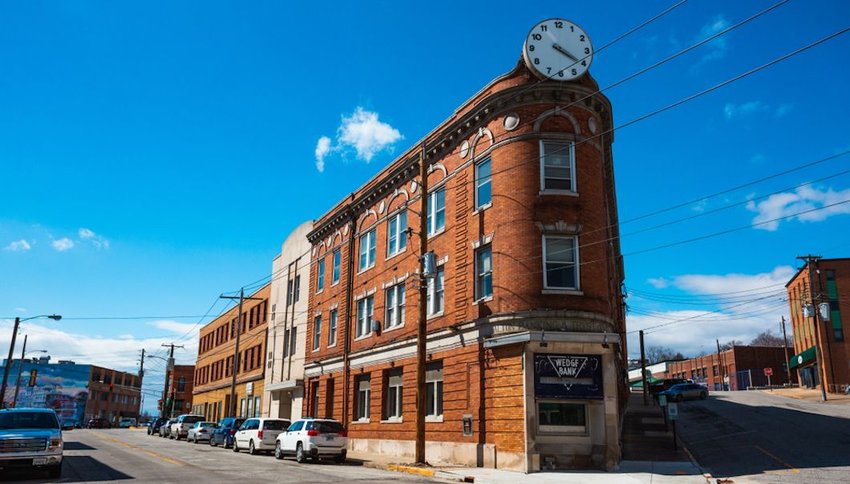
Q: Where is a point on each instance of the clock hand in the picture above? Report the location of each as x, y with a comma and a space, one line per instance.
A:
564, 51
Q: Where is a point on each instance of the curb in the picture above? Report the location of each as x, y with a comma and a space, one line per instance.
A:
419, 471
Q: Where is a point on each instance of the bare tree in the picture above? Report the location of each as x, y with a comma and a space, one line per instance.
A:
728, 345
767, 338
654, 354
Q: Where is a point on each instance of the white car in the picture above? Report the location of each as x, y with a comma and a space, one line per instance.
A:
200, 431
180, 427
315, 438
259, 434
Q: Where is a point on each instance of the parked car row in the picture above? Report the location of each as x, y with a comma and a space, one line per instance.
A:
304, 438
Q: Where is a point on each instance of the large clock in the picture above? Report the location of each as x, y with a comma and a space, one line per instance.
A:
557, 49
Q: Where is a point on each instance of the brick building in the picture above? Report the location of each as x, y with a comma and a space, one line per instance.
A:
526, 364
737, 368
814, 296
178, 390
214, 367
113, 394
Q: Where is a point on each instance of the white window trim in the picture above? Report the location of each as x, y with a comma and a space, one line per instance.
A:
546, 287
477, 274
475, 166
397, 215
320, 275
334, 252
317, 335
572, 152
434, 215
400, 324
329, 328
374, 237
430, 315
357, 316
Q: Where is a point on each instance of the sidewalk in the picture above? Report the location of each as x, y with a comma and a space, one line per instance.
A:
648, 457
808, 394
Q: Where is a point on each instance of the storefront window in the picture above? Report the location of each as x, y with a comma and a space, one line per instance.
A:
562, 417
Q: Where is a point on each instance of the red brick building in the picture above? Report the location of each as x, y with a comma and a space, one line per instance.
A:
178, 391
814, 296
526, 361
738, 368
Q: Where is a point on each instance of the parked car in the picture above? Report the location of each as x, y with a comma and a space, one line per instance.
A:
685, 391
259, 434
180, 427
98, 423
664, 384
313, 437
126, 423
200, 431
154, 425
31, 438
225, 431
165, 429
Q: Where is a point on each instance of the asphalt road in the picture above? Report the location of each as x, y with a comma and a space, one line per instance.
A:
759, 437
116, 455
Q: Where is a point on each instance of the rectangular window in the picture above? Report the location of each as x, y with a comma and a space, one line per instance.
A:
256, 406
286, 342
483, 191
335, 270
367, 250
364, 394
289, 296
365, 314
434, 389
484, 272
394, 301
332, 315
317, 332
315, 402
435, 292
293, 340
297, 289
394, 393
396, 233
560, 267
320, 277
557, 165
562, 417
436, 211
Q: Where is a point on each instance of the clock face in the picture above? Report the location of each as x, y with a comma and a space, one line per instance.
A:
557, 49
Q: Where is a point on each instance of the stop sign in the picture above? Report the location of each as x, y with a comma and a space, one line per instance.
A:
768, 371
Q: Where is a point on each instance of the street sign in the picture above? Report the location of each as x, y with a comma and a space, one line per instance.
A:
768, 371
673, 410
662, 400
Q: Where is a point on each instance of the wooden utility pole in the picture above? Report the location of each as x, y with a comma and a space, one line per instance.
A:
722, 366
787, 359
810, 259
20, 367
643, 371
423, 309
169, 369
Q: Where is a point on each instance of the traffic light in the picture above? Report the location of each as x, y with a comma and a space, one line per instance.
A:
33, 376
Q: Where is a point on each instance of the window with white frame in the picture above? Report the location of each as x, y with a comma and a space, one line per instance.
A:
564, 417
332, 315
436, 220
335, 268
557, 165
560, 262
434, 389
320, 275
317, 331
435, 292
364, 395
367, 250
483, 191
484, 272
396, 233
365, 313
394, 394
394, 302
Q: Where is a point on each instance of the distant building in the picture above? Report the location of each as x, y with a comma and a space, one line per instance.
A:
76, 392
737, 368
820, 286
178, 393
214, 368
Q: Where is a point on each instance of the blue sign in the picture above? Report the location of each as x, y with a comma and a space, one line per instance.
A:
568, 376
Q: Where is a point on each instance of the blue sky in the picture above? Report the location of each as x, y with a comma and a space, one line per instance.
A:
155, 155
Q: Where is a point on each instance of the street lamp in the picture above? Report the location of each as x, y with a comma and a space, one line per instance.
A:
24, 354
18, 322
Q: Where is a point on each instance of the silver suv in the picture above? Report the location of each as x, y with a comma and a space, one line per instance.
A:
30, 438
180, 427
314, 438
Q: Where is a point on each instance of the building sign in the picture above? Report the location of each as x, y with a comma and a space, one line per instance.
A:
568, 376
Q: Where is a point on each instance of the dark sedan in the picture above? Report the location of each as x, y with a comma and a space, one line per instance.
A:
223, 434
153, 427
685, 391
98, 423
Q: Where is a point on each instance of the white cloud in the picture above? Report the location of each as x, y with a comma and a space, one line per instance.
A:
731, 110
96, 240
18, 246
803, 198
783, 109
716, 48
657, 282
21, 310
745, 305
323, 147
62, 244
363, 133
180, 329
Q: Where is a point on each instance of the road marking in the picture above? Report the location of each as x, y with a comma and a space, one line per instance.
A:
144, 451
777, 459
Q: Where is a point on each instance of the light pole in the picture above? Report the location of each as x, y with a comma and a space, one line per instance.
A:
21, 367
18, 322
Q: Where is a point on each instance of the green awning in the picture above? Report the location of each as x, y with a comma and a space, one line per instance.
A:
803, 358
650, 379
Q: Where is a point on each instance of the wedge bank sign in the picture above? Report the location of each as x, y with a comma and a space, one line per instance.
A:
568, 376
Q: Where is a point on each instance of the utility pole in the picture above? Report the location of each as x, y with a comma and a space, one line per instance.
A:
809, 260
787, 360
643, 371
421, 330
6, 368
20, 367
169, 369
141, 395
722, 366
241, 297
